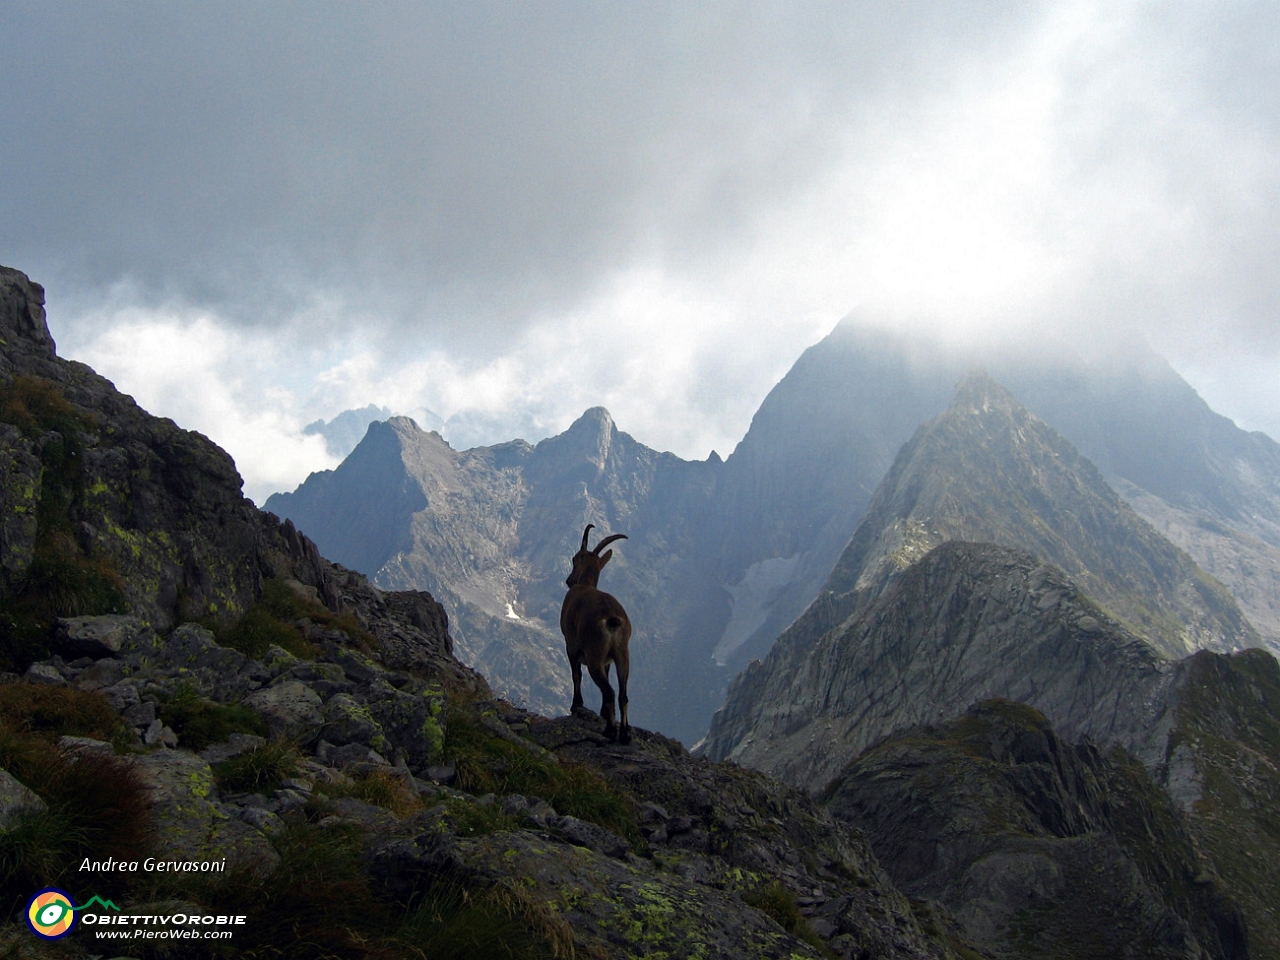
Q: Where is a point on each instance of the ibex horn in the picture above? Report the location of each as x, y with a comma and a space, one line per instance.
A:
584, 536
608, 540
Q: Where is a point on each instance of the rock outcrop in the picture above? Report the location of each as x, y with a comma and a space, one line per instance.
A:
121, 511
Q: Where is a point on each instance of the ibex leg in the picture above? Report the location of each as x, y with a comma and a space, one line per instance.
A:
623, 663
577, 708
600, 674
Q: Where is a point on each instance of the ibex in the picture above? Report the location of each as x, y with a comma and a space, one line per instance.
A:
597, 632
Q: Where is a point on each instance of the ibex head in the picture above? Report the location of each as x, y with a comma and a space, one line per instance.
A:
587, 564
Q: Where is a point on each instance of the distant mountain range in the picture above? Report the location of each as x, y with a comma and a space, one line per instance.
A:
723, 556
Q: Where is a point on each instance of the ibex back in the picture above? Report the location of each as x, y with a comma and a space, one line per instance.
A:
597, 632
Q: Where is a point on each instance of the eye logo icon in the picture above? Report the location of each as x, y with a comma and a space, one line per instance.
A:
51, 914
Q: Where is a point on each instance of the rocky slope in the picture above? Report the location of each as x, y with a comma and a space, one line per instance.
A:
1246, 564
369, 796
969, 622
109, 509
1039, 847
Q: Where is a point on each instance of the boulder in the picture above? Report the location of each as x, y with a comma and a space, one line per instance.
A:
290, 708
97, 637
17, 801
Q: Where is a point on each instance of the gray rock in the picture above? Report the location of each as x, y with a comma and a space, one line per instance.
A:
155, 730
140, 714
17, 801
45, 674
192, 824
234, 746
264, 820
192, 646
349, 721
97, 637
102, 673
348, 756
290, 708
122, 695
86, 745
583, 834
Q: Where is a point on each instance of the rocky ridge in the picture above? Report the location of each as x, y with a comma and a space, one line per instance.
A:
966, 623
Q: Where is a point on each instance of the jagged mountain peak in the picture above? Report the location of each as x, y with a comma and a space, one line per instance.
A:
597, 418
591, 437
988, 469
404, 426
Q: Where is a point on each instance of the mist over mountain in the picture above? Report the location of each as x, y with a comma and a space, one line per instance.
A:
915, 625
989, 470
343, 432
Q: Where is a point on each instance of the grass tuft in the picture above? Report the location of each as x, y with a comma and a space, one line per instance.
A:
777, 902
59, 711
453, 923
199, 722
97, 807
489, 764
259, 770
382, 789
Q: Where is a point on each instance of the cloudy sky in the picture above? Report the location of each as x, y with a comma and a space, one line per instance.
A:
251, 216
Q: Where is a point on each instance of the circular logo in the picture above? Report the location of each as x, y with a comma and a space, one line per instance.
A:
51, 914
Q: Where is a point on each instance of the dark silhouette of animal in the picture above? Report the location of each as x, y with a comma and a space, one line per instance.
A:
597, 632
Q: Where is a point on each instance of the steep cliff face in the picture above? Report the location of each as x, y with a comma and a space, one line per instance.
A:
793, 491
108, 509
1142, 422
1222, 767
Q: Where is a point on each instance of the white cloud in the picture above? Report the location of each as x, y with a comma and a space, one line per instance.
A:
212, 378
512, 249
